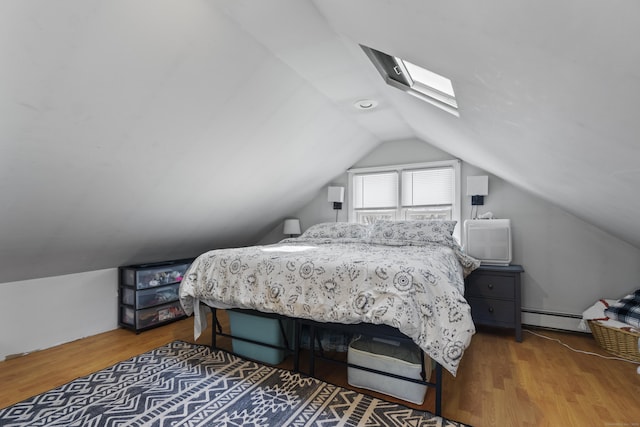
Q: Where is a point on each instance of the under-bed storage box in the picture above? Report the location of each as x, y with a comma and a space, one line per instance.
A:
387, 356
262, 329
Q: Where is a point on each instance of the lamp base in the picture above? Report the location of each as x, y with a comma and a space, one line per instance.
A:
337, 205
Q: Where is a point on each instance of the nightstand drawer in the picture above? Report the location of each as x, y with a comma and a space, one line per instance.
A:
493, 292
492, 312
491, 286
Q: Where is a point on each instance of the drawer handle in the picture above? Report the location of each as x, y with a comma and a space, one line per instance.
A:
490, 285
490, 309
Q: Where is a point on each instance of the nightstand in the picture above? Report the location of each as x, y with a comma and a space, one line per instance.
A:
493, 292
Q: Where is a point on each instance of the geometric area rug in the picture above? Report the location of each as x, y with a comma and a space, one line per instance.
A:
183, 384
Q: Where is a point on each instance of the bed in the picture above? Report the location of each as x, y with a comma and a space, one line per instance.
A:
408, 275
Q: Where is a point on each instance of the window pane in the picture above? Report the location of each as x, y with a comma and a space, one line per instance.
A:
429, 78
428, 187
378, 190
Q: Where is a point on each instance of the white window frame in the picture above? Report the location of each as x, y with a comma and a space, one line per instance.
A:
456, 205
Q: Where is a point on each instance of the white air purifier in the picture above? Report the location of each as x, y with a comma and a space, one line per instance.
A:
488, 240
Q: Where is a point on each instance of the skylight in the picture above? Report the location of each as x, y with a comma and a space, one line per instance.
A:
415, 80
429, 78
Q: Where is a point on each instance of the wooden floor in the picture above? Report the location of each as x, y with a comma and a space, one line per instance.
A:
500, 382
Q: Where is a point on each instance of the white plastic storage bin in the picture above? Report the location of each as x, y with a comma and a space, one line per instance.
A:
262, 329
387, 356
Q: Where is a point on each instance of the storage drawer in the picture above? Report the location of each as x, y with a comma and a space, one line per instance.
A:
128, 316
143, 277
150, 297
128, 295
152, 316
156, 296
490, 286
492, 312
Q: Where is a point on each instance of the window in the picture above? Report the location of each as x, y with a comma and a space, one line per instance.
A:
415, 191
415, 80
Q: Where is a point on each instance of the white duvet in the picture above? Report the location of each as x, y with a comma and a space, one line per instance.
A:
416, 289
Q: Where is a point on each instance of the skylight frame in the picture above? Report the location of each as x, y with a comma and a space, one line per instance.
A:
395, 73
429, 88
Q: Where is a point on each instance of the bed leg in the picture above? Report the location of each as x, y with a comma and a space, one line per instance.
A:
297, 332
438, 389
214, 313
284, 334
312, 350
320, 349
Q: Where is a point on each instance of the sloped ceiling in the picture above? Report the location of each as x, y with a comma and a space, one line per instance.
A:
548, 92
141, 130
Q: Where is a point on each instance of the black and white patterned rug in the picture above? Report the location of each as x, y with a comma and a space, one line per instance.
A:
183, 384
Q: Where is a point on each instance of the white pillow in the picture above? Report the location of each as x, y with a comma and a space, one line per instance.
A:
337, 230
413, 233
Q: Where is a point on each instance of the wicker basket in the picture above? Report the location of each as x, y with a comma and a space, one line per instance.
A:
620, 343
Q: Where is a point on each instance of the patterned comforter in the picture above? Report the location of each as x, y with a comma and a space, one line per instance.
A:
416, 289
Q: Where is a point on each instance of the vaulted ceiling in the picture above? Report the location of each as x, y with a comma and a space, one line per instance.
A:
152, 129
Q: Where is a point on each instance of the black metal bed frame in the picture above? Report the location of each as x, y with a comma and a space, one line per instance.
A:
367, 329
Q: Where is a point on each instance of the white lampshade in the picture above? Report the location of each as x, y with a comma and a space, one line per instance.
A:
291, 226
478, 185
336, 194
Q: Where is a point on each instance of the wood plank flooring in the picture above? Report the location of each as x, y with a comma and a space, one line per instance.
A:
500, 382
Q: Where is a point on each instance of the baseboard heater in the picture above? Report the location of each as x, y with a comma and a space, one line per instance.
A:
551, 319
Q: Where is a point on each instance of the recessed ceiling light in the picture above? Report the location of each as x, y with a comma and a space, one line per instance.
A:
366, 104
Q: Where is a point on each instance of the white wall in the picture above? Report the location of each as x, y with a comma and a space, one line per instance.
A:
568, 263
41, 313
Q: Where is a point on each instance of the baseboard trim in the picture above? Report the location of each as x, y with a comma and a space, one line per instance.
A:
551, 320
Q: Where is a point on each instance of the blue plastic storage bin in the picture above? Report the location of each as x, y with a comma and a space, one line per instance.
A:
260, 329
